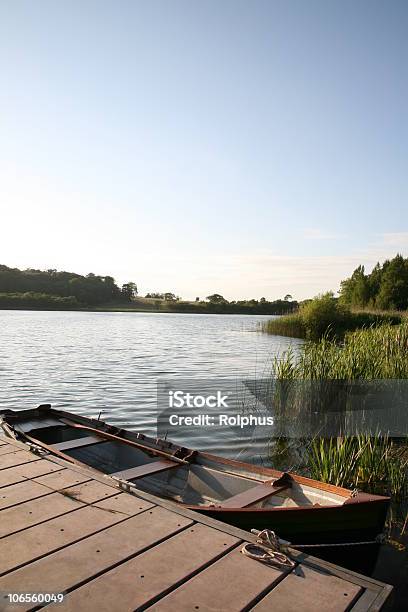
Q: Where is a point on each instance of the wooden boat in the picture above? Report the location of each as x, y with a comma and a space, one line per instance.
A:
298, 509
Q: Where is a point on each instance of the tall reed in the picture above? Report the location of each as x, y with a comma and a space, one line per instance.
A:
368, 354
374, 463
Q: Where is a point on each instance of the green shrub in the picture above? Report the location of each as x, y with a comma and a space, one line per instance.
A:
325, 316
31, 299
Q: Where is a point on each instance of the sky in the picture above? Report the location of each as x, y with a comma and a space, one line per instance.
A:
251, 149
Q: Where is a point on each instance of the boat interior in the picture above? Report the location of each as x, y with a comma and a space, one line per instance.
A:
158, 467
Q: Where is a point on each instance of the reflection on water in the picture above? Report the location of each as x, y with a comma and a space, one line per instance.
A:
86, 362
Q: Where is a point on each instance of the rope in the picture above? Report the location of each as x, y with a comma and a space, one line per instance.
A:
378, 540
267, 550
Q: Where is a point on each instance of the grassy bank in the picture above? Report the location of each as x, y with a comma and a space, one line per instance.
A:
325, 316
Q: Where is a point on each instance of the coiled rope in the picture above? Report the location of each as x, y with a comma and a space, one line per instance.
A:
267, 550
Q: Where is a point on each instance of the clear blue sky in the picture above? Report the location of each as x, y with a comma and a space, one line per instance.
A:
251, 148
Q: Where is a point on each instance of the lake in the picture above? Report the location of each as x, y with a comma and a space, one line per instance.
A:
87, 362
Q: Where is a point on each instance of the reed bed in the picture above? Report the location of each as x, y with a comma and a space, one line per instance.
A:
373, 463
368, 354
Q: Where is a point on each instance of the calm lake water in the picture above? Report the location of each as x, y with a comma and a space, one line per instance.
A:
86, 362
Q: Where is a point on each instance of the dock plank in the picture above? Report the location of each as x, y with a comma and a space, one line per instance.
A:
21, 492
89, 492
17, 457
309, 590
152, 573
79, 562
45, 538
206, 590
35, 511
31, 489
61, 479
41, 509
19, 473
7, 448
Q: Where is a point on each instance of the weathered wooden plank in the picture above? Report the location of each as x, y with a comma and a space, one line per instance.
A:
79, 562
24, 547
252, 496
26, 471
7, 448
21, 492
140, 471
365, 582
366, 601
31, 489
121, 504
152, 573
244, 578
61, 479
70, 444
35, 511
89, 492
17, 458
309, 590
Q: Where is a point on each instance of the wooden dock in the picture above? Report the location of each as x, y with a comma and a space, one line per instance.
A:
70, 530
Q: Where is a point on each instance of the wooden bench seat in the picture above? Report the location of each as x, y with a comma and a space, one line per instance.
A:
154, 467
71, 444
256, 494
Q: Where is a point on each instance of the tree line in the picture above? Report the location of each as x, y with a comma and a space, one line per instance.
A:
89, 290
385, 288
50, 289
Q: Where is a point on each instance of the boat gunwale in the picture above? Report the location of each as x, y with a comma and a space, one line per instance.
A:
378, 500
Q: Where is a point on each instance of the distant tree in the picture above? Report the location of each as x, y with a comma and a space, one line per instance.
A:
288, 297
354, 291
170, 297
385, 288
155, 295
393, 292
197, 299
215, 298
129, 291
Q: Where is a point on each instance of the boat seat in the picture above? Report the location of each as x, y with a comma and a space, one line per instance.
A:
256, 494
154, 467
71, 444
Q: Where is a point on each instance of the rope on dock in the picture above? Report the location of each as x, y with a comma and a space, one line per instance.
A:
267, 550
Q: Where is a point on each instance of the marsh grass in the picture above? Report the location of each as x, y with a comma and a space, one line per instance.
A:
368, 354
372, 463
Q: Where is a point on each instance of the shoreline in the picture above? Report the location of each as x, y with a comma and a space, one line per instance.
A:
138, 310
